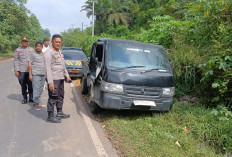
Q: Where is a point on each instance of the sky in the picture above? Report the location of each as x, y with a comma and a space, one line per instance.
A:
59, 15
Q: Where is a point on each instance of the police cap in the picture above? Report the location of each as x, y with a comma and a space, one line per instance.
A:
24, 38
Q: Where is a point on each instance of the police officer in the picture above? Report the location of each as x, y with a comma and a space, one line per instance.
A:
21, 58
56, 73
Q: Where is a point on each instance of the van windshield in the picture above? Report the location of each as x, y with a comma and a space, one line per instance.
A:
124, 55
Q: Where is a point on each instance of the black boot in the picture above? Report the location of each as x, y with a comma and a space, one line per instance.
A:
60, 114
24, 100
52, 118
31, 98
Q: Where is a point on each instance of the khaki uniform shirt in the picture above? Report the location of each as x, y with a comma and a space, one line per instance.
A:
54, 65
37, 62
21, 58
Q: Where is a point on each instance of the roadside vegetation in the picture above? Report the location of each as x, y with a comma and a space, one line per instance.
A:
189, 129
197, 35
17, 21
199, 131
6, 55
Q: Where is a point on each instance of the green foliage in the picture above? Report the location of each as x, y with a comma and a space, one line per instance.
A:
109, 12
142, 134
222, 113
194, 32
162, 30
119, 31
78, 38
217, 74
212, 24
47, 33
17, 21
186, 71
197, 35
12, 20
33, 30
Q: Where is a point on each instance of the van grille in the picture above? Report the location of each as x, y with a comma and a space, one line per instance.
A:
142, 91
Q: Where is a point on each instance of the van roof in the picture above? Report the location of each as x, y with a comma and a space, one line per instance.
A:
109, 40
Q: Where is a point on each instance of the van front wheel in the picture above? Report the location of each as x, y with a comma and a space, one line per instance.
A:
84, 88
94, 108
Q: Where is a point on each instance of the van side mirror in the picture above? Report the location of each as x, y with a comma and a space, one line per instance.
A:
171, 64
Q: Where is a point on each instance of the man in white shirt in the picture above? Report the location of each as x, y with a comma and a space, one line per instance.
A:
45, 44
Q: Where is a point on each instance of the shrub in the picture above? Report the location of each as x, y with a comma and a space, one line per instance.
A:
217, 74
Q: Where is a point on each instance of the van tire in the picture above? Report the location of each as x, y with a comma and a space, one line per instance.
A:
94, 108
84, 88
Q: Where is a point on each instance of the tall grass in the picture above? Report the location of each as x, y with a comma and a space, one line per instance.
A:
143, 134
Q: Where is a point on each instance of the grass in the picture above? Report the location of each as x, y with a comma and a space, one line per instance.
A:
144, 134
6, 55
135, 133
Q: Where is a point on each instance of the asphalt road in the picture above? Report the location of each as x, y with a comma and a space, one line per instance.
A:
24, 131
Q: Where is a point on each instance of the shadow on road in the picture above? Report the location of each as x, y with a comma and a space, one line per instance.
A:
77, 106
81, 101
17, 97
42, 114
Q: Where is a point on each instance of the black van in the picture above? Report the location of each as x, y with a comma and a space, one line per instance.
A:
124, 74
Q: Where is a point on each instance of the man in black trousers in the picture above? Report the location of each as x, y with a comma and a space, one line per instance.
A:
56, 73
21, 58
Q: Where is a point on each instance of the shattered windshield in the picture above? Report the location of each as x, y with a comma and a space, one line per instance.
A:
124, 55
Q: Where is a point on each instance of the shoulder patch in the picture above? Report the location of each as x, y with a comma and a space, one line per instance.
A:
17, 50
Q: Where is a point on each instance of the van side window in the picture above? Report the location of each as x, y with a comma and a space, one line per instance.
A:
99, 53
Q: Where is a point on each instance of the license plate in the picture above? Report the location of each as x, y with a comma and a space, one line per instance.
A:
73, 71
144, 103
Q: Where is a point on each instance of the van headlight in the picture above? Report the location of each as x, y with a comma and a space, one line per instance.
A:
112, 87
168, 92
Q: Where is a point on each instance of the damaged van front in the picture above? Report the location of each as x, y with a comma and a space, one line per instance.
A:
125, 74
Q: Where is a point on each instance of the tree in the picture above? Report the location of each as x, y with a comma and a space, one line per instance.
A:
17, 21
47, 33
13, 19
118, 13
109, 12
33, 29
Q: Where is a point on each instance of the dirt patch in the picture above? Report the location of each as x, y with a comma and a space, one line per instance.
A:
3, 58
77, 83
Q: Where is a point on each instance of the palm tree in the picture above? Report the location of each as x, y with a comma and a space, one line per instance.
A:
118, 13
88, 7
113, 11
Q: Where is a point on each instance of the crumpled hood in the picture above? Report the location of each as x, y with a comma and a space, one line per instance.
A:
151, 79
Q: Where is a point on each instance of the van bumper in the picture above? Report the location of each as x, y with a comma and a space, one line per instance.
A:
121, 102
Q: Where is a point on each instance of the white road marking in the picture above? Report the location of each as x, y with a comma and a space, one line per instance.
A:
97, 143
